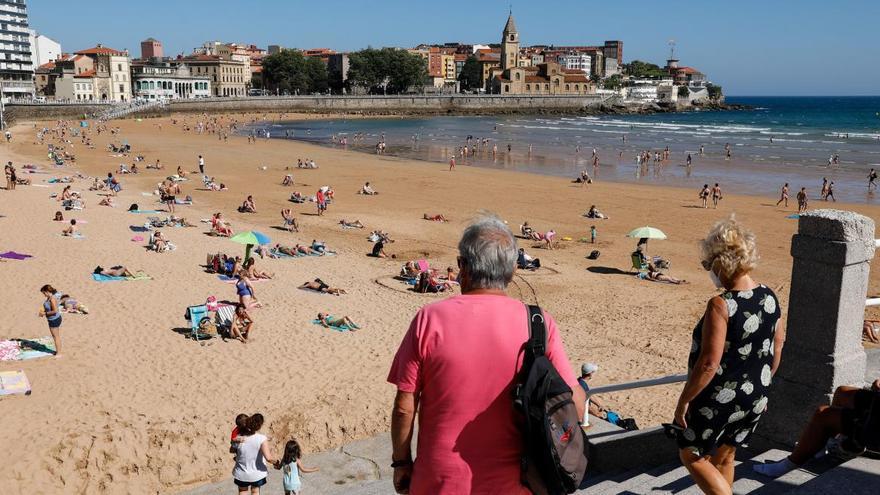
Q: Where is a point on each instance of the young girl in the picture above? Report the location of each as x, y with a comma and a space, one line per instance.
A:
52, 313
291, 467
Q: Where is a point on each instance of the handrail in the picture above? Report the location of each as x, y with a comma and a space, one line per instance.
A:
648, 382
877, 243
873, 301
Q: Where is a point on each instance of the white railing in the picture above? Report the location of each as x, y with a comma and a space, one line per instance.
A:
649, 382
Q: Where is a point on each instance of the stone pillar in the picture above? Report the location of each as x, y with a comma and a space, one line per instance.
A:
829, 283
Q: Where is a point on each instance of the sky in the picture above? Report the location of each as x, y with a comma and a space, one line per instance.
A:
749, 47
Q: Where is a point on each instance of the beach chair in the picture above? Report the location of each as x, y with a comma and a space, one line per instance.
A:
637, 264
195, 315
225, 314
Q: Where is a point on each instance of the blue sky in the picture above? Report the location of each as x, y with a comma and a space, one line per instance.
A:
768, 47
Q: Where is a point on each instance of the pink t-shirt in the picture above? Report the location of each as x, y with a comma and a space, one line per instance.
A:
461, 356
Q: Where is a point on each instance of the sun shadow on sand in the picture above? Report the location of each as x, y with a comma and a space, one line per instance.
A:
606, 270
398, 285
694, 206
283, 229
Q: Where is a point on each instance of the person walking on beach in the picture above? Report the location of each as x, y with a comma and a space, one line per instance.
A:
689, 160
704, 195
201, 165
321, 201
451, 163
872, 178
784, 195
52, 312
737, 348
716, 195
829, 192
802, 200
824, 192
469, 441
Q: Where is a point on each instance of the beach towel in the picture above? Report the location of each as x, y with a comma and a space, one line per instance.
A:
183, 202
279, 254
23, 349
145, 212
76, 235
137, 238
793, 217
139, 228
232, 280
343, 328
12, 255
107, 278
14, 382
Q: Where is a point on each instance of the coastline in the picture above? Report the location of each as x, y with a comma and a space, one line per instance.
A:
134, 407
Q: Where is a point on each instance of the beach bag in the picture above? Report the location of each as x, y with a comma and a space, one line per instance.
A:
133, 207
554, 459
594, 255
867, 430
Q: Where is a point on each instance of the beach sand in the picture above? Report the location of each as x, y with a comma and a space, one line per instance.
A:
135, 407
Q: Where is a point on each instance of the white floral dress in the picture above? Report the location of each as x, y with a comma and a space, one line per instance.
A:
727, 411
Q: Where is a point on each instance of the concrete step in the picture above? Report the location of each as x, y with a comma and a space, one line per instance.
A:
859, 476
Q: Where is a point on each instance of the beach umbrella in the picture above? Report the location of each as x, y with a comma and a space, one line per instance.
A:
647, 233
250, 239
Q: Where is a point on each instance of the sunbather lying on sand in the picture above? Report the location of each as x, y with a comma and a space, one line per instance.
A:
351, 225
435, 218
289, 220
107, 201
658, 276
71, 305
252, 271
114, 271
318, 285
321, 247
328, 321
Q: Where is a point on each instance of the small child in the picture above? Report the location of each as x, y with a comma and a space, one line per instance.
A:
234, 439
291, 467
593, 234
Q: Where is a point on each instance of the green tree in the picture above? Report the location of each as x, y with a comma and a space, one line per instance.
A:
470, 74
292, 72
613, 82
714, 91
683, 92
388, 70
640, 69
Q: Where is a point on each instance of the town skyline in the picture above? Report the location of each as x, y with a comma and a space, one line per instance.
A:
293, 24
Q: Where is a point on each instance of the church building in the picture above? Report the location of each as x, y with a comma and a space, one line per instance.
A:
542, 79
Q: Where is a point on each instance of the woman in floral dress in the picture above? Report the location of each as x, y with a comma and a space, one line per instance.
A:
736, 350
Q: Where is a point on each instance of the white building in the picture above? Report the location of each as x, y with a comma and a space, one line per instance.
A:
43, 49
16, 67
167, 82
611, 67
575, 61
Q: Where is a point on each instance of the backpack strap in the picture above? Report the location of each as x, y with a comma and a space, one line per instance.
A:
537, 344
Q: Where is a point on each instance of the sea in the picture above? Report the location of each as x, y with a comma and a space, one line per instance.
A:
798, 140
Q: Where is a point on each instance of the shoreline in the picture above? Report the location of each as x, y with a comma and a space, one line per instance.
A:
134, 407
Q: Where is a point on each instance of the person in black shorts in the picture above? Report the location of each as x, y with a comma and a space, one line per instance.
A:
849, 408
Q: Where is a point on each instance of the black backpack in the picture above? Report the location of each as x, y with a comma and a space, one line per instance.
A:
867, 427
554, 457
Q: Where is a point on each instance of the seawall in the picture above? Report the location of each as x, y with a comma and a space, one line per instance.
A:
370, 105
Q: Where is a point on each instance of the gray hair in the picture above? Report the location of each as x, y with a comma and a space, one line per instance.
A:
488, 253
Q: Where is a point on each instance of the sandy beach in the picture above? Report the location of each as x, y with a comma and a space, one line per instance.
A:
133, 406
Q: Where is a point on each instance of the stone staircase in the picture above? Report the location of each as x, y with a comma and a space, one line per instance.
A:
127, 108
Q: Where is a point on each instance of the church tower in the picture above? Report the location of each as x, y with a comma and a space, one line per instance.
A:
509, 45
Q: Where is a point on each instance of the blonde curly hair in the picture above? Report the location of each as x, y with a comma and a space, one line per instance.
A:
730, 249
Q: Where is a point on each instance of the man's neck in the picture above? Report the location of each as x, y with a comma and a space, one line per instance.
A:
478, 292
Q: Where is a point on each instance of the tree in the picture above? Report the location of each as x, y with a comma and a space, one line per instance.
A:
683, 92
470, 74
613, 82
388, 70
715, 93
640, 69
292, 72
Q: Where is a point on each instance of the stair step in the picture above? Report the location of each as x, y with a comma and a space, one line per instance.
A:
859, 476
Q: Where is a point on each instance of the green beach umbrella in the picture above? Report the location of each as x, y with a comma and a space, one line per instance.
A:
647, 233
250, 239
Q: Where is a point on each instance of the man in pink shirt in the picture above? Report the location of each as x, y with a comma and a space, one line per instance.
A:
457, 365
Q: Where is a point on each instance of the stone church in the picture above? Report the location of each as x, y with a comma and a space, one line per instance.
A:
543, 79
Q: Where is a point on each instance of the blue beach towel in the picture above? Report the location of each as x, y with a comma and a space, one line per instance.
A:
106, 278
343, 328
76, 235
793, 217
146, 212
